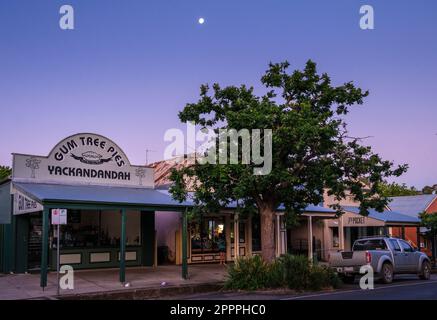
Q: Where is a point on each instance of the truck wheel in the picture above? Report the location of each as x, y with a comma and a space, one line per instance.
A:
425, 274
348, 279
387, 273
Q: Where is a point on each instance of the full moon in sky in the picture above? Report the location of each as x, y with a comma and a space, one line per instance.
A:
201, 21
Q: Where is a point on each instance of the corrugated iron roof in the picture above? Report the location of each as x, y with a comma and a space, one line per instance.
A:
98, 194
233, 205
386, 216
116, 195
411, 205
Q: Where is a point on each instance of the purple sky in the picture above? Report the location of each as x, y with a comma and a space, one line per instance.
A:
130, 66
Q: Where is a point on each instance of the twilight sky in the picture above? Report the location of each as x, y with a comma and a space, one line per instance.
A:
130, 66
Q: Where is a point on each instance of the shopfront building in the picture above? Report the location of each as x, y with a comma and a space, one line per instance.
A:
117, 216
326, 233
111, 209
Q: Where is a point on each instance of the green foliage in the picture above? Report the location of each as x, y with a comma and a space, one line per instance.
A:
5, 172
294, 272
429, 189
297, 271
311, 147
429, 220
393, 189
322, 277
275, 277
248, 274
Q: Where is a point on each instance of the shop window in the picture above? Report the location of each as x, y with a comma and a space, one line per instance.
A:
94, 229
256, 234
241, 232
208, 236
335, 238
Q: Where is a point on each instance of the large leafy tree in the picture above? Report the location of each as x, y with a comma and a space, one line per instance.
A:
429, 189
429, 221
311, 148
5, 172
395, 190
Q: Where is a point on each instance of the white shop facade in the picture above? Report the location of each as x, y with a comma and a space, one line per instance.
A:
111, 208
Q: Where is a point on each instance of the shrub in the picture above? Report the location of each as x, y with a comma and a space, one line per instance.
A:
297, 271
334, 279
294, 272
248, 273
321, 277
275, 275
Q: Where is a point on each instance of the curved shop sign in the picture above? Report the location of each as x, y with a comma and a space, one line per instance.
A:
85, 158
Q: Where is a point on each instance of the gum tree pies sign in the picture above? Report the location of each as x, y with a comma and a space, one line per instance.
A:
87, 158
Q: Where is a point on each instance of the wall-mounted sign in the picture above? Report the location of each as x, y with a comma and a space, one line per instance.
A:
24, 204
356, 220
59, 216
83, 158
350, 219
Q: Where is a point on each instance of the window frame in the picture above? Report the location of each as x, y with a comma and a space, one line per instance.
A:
407, 244
391, 241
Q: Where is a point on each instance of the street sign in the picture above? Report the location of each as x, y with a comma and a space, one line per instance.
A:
59, 216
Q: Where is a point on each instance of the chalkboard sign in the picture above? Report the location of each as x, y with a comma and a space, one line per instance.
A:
73, 216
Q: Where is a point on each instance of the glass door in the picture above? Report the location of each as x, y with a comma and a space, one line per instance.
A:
35, 241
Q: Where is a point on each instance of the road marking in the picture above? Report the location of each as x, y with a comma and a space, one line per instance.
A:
358, 290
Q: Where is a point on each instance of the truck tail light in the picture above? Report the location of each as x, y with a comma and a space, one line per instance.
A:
368, 257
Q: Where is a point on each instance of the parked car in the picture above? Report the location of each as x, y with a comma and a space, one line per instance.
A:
387, 256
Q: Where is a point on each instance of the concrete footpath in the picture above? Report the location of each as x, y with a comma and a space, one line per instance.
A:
142, 283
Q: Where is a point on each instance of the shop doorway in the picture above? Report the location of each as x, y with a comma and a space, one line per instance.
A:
242, 239
34, 244
208, 239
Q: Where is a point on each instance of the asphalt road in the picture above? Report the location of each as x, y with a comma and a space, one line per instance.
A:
403, 288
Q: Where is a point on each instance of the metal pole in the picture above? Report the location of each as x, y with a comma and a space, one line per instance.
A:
278, 235
184, 246
58, 258
341, 237
236, 237
123, 247
310, 238
44, 247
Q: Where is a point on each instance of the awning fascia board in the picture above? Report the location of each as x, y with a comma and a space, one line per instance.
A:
66, 204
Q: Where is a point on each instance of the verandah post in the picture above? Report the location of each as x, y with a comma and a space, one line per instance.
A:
310, 239
184, 245
45, 247
123, 247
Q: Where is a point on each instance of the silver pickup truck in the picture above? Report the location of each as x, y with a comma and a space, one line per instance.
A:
387, 256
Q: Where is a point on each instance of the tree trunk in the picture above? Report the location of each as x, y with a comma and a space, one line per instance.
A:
267, 234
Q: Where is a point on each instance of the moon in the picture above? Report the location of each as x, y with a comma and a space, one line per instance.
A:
201, 21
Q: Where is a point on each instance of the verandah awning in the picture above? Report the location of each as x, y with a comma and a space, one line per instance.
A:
121, 196
93, 194
387, 216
